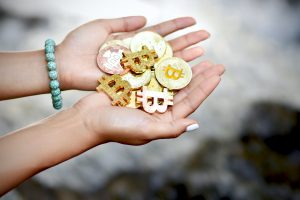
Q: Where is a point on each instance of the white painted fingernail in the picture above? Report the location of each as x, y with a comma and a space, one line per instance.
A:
192, 127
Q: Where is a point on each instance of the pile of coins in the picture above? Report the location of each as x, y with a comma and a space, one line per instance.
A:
143, 72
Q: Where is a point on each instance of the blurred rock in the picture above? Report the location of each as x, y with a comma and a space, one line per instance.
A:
271, 143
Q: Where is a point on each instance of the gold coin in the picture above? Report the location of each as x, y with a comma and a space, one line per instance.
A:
173, 73
112, 43
154, 84
168, 53
137, 80
151, 40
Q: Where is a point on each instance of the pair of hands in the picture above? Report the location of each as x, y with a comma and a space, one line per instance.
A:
76, 57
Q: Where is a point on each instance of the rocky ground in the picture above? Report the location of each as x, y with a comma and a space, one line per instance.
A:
247, 145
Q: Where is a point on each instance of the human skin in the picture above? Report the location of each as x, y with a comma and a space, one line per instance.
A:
93, 121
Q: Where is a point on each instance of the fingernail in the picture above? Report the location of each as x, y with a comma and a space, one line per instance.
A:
192, 127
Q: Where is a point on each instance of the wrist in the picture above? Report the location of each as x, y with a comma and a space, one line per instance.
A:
88, 123
69, 137
62, 68
73, 123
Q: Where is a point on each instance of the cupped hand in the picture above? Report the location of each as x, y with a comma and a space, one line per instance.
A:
76, 55
131, 126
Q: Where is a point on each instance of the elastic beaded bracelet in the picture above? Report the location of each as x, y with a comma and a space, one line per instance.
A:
53, 75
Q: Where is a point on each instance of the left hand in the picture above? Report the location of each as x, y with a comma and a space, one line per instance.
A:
76, 55
106, 123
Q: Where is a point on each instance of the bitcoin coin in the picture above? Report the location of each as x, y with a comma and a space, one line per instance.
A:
113, 43
137, 80
173, 73
145, 73
150, 39
109, 58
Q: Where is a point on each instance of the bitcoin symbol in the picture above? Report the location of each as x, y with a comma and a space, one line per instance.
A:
159, 101
139, 61
173, 73
133, 103
118, 89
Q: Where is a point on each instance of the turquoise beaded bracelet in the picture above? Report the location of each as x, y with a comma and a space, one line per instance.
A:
52, 73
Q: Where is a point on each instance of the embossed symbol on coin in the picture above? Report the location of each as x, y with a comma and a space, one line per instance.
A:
159, 101
173, 73
118, 89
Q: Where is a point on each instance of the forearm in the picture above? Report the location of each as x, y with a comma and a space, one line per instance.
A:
30, 150
24, 74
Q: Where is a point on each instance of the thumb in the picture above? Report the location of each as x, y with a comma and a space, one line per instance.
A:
124, 24
173, 129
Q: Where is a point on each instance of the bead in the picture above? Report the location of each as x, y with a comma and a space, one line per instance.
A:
51, 65
55, 92
54, 84
49, 49
56, 98
49, 42
50, 57
52, 75
57, 105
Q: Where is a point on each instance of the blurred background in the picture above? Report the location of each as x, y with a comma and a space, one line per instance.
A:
247, 146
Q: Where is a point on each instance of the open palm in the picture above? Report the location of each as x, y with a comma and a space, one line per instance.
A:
136, 127
76, 55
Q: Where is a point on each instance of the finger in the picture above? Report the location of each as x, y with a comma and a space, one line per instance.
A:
201, 67
189, 39
215, 70
197, 80
194, 98
171, 26
166, 130
124, 24
190, 54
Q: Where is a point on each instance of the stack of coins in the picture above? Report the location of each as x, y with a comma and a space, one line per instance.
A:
144, 73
